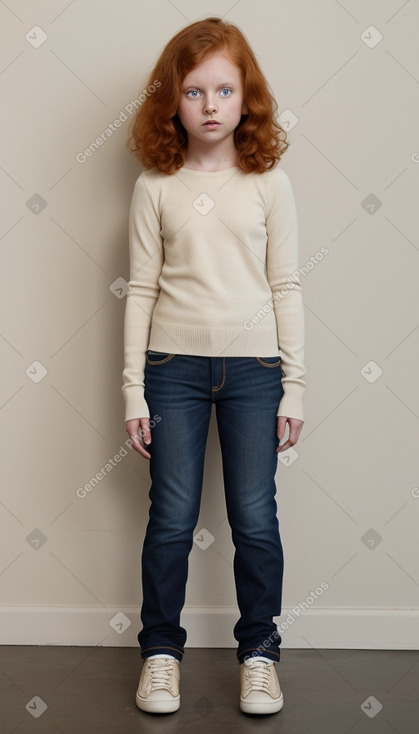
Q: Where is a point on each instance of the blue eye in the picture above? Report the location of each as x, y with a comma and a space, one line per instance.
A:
193, 93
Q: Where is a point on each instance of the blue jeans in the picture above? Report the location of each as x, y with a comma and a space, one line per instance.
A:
180, 390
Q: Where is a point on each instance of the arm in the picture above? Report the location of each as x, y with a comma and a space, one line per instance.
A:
146, 261
283, 278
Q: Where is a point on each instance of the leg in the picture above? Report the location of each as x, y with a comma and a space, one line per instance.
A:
175, 393
247, 425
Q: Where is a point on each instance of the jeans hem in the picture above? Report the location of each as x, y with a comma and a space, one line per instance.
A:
163, 650
253, 652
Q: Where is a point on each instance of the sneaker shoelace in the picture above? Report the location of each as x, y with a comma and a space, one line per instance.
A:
258, 675
160, 674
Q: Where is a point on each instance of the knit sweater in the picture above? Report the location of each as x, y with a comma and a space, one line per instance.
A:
214, 272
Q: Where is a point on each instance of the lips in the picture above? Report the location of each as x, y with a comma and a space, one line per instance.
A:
211, 123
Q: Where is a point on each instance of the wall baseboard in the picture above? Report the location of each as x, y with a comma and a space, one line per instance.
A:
367, 629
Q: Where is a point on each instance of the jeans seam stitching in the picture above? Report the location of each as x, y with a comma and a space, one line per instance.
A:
161, 361
265, 364
215, 389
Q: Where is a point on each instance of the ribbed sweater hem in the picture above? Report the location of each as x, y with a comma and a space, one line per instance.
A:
213, 341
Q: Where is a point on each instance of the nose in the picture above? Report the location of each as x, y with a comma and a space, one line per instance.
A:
210, 106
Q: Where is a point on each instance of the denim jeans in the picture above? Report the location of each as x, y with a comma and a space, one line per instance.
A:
180, 390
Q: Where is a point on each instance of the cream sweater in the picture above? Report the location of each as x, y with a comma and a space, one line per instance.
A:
214, 272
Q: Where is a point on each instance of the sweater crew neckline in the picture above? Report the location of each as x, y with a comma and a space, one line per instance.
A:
195, 172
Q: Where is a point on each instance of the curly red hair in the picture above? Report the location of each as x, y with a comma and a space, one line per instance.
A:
158, 138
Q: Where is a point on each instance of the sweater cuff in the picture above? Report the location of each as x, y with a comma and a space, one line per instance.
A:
135, 404
291, 405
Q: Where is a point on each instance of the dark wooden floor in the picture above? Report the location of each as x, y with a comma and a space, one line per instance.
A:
78, 690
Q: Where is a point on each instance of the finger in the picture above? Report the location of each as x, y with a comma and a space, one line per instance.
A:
295, 427
144, 430
283, 446
295, 430
139, 431
282, 424
137, 446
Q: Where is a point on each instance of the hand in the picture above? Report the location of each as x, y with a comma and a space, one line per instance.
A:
295, 426
139, 426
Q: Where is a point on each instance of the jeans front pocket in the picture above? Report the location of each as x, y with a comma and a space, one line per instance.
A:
154, 358
269, 361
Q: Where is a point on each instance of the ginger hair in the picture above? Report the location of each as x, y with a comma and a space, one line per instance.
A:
158, 138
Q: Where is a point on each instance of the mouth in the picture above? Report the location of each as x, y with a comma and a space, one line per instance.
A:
211, 123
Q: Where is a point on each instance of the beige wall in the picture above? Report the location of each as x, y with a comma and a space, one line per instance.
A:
348, 496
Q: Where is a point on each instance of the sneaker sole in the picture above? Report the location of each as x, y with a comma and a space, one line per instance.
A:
157, 707
252, 707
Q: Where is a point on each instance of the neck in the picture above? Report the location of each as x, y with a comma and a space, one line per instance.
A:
210, 158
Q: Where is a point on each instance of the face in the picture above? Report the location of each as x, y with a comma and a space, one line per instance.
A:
212, 91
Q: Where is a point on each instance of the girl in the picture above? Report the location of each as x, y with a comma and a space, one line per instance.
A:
214, 314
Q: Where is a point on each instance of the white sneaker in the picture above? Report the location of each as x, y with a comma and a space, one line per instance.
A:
158, 689
260, 689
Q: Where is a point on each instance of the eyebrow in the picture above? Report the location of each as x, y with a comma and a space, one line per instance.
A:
220, 86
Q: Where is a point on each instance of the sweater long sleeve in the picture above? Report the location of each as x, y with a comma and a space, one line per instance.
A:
214, 272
